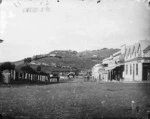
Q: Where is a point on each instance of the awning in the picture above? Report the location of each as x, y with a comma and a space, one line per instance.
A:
113, 67
120, 64
110, 68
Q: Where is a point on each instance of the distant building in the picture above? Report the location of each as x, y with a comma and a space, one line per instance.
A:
96, 72
52, 55
94, 56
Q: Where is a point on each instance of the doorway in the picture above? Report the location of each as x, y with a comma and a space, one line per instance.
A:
146, 71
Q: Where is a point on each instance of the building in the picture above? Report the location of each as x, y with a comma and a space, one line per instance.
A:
114, 67
130, 63
137, 61
97, 72
106, 74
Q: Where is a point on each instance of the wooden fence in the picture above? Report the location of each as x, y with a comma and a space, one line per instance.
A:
27, 77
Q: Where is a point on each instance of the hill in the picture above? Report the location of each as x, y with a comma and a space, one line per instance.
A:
100, 54
67, 59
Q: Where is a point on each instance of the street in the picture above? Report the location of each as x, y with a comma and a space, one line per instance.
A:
75, 99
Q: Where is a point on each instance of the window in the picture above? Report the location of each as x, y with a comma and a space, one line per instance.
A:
130, 69
136, 69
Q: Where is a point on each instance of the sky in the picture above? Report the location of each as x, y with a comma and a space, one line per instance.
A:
69, 25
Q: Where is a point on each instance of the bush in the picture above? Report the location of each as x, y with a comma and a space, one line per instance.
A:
28, 69
27, 60
39, 68
43, 73
1, 76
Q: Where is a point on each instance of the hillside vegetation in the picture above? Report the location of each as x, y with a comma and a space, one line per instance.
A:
67, 59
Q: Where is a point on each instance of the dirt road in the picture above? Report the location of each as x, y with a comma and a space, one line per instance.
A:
76, 99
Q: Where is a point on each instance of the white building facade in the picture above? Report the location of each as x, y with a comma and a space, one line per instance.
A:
137, 61
96, 72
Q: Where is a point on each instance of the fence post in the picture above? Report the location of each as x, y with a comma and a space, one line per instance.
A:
40, 77
37, 77
25, 75
11, 74
31, 77
14, 76
18, 75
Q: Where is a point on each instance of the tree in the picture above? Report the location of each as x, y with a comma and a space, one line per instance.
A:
7, 66
28, 69
27, 60
1, 76
43, 73
76, 70
39, 68
104, 49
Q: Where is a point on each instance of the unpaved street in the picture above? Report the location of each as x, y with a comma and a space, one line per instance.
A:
76, 99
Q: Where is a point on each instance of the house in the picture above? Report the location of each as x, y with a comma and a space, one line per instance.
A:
106, 73
97, 72
52, 55
137, 61
131, 63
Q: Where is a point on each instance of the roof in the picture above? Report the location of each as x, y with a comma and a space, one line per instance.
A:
121, 58
144, 44
128, 48
137, 46
117, 53
132, 49
110, 67
146, 49
97, 67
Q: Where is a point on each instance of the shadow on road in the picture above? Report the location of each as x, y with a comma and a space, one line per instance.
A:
29, 83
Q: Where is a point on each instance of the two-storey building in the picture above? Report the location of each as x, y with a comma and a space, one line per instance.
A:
114, 65
131, 63
137, 61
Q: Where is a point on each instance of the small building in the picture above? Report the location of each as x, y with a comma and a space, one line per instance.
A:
137, 61
114, 66
97, 72
106, 73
